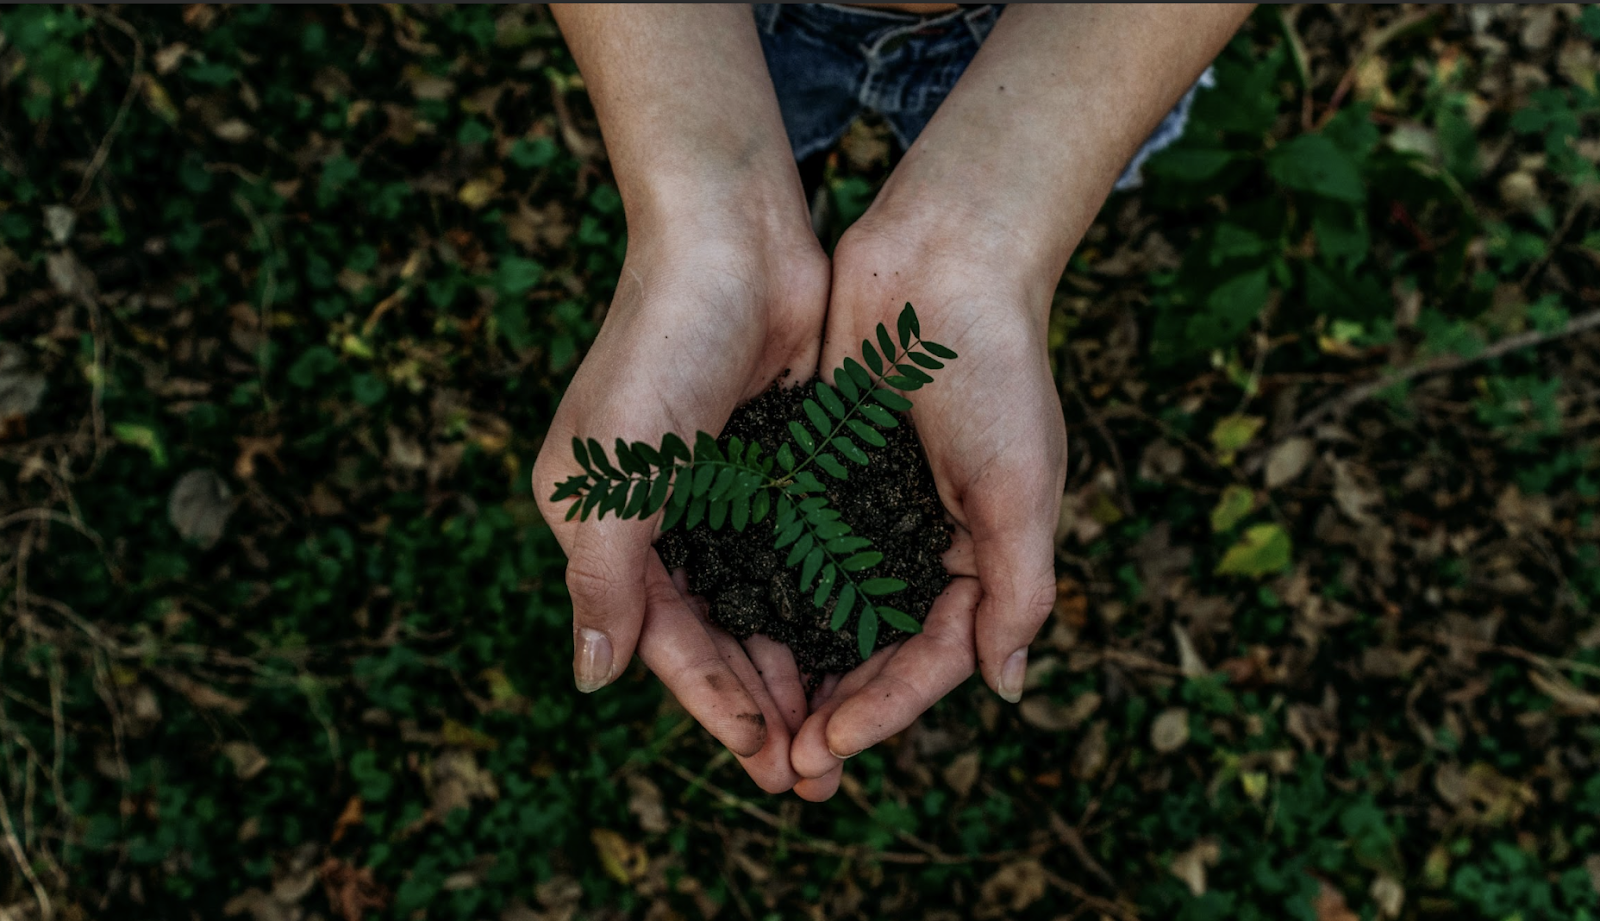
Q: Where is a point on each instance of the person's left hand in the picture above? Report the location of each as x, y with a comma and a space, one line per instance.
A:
992, 427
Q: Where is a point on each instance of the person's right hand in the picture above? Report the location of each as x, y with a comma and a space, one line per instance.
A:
706, 316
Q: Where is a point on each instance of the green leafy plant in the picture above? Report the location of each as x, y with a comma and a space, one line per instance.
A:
741, 485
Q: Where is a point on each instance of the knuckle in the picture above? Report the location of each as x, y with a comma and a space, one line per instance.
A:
591, 578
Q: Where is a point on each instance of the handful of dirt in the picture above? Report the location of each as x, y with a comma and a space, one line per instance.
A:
891, 501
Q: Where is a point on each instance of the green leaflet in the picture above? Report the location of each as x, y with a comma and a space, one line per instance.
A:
867, 633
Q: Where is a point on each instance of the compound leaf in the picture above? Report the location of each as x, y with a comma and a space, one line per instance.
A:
871, 355
879, 416
942, 351
892, 400
825, 585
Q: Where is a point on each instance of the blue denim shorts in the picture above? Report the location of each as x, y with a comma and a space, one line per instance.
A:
829, 63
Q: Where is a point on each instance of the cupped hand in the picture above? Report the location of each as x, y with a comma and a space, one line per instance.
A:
704, 319
992, 427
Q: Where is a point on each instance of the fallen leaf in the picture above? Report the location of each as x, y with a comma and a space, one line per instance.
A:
351, 892
1170, 730
475, 193
623, 860
1232, 433
1262, 551
1569, 699
644, 801
1012, 888
1190, 866
21, 388
962, 772
1235, 504
1389, 894
1090, 757
1353, 490
1189, 661
1330, 904
199, 506
348, 819
1287, 460
1043, 712
233, 130
167, 59
58, 222
248, 761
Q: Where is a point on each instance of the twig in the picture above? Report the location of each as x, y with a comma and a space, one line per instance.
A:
1533, 658
1374, 43
1353, 397
47, 911
1106, 906
134, 81
802, 841
1070, 382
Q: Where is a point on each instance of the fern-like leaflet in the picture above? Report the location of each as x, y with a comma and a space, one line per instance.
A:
741, 485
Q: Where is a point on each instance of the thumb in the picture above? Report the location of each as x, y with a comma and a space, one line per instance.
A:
606, 579
1015, 560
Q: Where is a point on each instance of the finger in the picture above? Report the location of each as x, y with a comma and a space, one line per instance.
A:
960, 560
769, 767
926, 668
676, 646
820, 789
1016, 566
606, 578
774, 662
809, 753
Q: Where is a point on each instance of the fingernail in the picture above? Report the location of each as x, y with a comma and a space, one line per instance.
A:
1013, 674
592, 667
843, 757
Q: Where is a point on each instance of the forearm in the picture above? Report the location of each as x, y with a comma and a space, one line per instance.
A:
1026, 148
687, 109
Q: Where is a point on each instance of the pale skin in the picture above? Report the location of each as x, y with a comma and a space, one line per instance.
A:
974, 227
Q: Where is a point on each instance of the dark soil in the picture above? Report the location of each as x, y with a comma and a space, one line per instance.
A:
892, 501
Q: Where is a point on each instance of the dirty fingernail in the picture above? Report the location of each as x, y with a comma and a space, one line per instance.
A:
843, 757
1013, 674
592, 667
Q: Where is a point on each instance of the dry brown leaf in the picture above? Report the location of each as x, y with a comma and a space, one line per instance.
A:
1331, 906
1389, 893
962, 772
348, 819
623, 860
351, 891
200, 505
1190, 866
1012, 888
1170, 730
644, 801
1570, 700
248, 761
1090, 758
1287, 460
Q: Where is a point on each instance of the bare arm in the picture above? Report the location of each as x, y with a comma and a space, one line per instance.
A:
687, 109
1027, 146
723, 289
974, 227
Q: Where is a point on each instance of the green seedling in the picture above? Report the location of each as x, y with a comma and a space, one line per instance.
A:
744, 485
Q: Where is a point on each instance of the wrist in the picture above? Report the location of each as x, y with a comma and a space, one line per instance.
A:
956, 224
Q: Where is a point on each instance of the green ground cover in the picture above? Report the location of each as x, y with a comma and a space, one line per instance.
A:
287, 297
